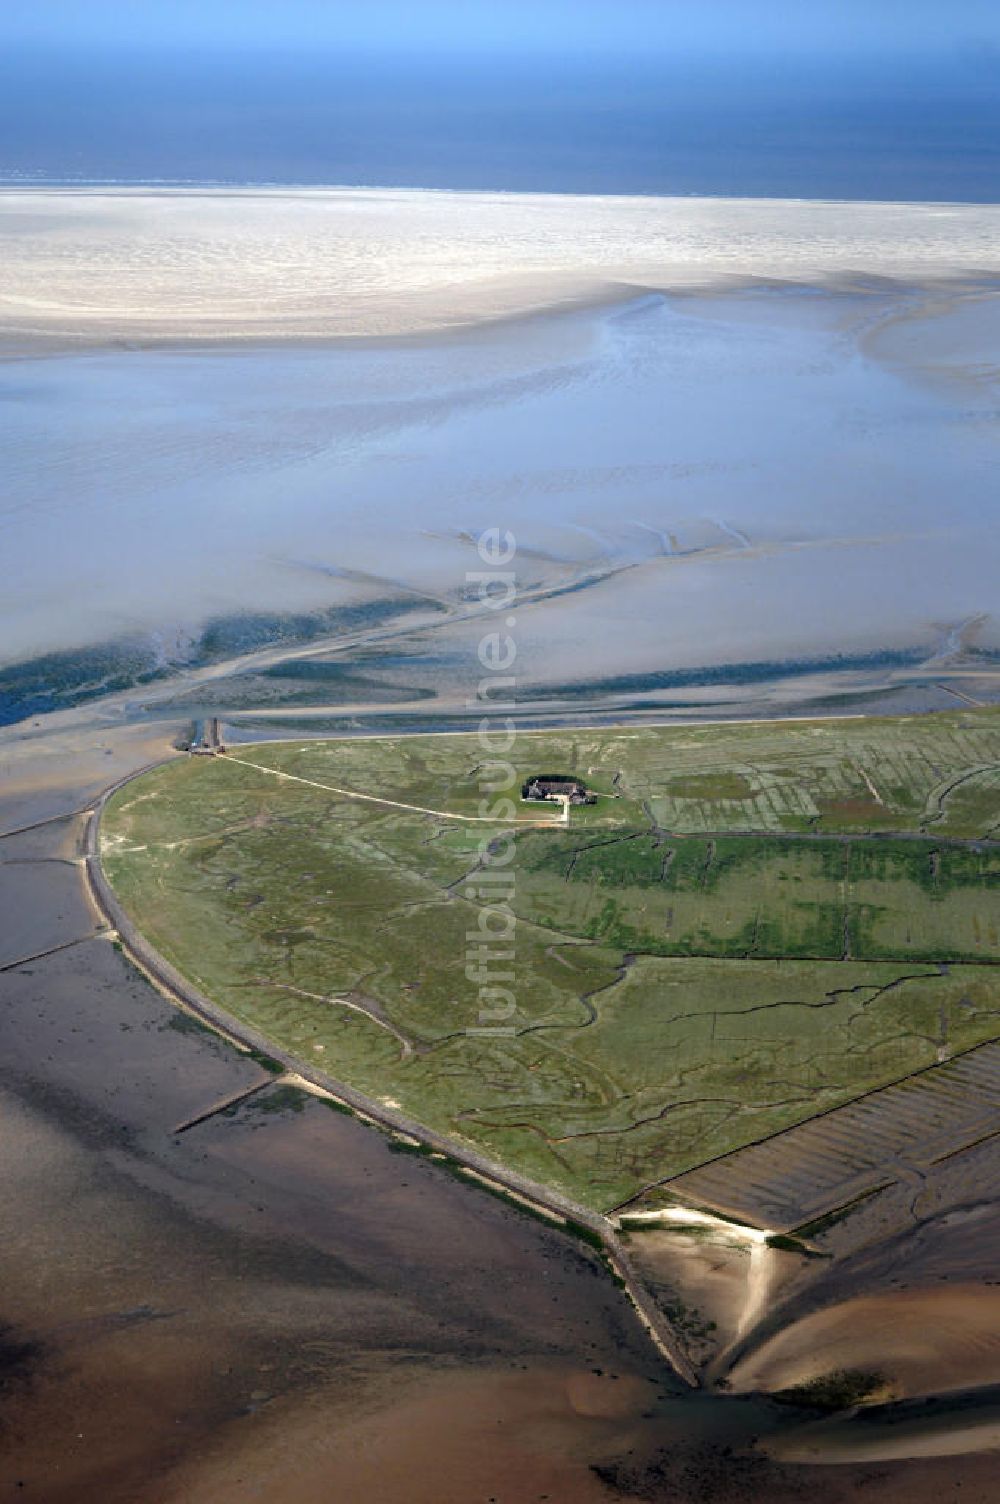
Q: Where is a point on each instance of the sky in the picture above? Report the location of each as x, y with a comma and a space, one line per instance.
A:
863, 28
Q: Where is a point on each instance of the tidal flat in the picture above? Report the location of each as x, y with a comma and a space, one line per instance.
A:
709, 477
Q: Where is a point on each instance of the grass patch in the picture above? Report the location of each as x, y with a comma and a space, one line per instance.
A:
841, 1390
679, 993
788, 1243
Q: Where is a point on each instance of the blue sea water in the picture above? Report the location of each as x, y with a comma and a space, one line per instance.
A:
783, 128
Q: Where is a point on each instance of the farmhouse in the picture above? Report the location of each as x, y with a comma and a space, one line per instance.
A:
555, 787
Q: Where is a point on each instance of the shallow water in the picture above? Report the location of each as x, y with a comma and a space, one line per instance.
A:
691, 480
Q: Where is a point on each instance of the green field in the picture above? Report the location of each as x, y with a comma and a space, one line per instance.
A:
753, 924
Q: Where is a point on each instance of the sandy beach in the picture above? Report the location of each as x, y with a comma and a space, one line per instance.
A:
106, 265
